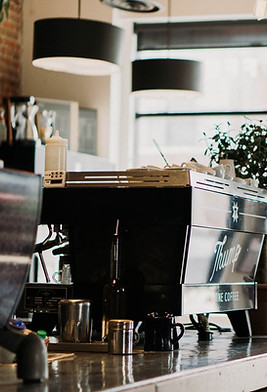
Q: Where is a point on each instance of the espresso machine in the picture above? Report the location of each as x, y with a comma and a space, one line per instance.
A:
189, 242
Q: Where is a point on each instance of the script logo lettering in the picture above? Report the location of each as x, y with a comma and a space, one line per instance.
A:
224, 256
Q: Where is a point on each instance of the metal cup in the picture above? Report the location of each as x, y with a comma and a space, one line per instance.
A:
229, 165
64, 275
74, 320
121, 336
219, 171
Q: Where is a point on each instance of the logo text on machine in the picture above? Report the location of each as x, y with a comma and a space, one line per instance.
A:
225, 256
235, 212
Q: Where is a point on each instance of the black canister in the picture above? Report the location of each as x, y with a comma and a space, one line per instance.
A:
161, 333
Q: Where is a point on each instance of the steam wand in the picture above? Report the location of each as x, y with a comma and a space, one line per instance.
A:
41, 257
161, 153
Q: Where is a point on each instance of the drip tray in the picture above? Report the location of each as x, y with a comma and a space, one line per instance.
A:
96, 347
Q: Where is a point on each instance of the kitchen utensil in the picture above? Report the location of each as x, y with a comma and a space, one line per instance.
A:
121, 336
161, 333
64, 275
56, 153
229, 165
74, 316
252, 182
219, 171
22, 116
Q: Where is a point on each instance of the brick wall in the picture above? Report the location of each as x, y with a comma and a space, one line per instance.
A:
10, 47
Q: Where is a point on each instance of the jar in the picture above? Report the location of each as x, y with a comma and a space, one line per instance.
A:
121, 336
56, 153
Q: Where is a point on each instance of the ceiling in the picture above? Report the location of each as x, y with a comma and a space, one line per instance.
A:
194, 10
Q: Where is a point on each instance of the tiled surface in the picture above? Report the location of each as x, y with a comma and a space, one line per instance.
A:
196, 366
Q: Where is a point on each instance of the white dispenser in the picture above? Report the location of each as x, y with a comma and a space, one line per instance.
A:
55, 161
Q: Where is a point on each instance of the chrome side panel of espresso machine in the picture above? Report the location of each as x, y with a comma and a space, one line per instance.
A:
20, 206
229, 226
189, 242
226, 238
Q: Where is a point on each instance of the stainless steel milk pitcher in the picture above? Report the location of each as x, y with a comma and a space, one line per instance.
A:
74, 318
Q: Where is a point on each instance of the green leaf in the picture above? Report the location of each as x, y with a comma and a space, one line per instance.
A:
6, 6
248, 149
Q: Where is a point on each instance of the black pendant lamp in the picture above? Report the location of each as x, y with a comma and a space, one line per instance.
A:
77, 46
165, 78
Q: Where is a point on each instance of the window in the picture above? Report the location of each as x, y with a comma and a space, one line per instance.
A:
233, 89
87, 131
78, 125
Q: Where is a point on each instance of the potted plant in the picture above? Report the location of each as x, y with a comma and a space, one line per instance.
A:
247, 147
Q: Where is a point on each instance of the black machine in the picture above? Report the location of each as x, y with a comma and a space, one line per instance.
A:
189, 242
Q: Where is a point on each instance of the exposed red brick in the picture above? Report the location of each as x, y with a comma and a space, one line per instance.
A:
12, 43
10, 47
11, 29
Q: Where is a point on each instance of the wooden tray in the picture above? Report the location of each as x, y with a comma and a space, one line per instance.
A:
97, 347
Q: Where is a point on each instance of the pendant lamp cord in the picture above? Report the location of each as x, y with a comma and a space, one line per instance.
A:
168, 26
79, 9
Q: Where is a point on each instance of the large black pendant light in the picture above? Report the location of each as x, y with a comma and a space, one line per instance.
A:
165, 77
77, 46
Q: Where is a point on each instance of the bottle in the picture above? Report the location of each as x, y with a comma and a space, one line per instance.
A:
114, 293
43, 336
56, 153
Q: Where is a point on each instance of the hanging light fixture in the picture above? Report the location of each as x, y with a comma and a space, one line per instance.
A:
134, 5
165, 77
77, 46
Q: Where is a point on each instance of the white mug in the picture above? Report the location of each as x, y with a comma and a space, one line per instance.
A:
219, 171
65, 275
229, 165
252, 182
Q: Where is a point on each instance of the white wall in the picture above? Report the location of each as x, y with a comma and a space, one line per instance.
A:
90, 92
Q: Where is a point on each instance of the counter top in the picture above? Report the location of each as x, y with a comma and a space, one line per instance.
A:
226, 363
